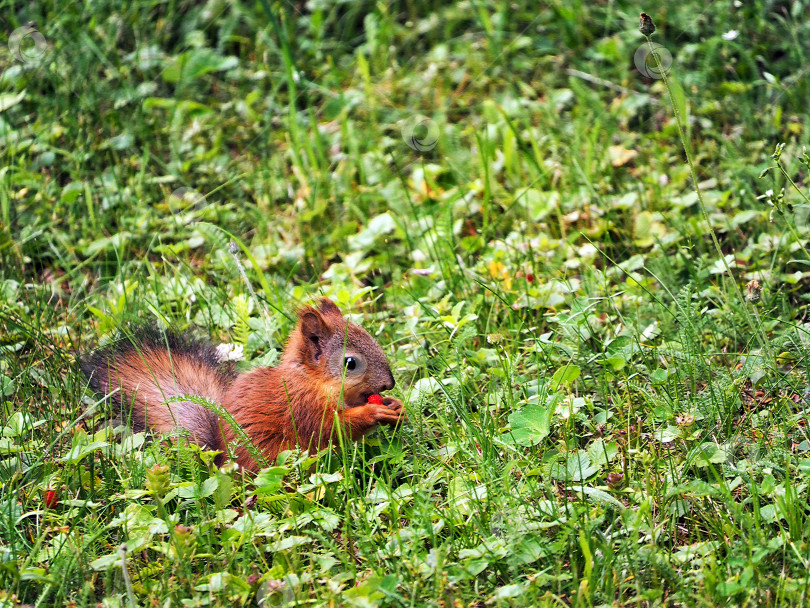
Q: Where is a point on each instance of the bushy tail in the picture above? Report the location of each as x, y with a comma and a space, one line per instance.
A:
151, 367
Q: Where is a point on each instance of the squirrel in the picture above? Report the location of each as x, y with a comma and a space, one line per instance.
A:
328, 372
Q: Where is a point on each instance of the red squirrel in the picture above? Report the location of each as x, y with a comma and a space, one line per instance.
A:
328, 370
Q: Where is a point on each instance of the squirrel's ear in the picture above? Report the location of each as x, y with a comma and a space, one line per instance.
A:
328, 307
315, 332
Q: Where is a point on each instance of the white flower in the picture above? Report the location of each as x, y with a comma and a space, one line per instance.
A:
230, 352
731, 35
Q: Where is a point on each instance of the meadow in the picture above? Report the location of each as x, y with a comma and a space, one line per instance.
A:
585, 257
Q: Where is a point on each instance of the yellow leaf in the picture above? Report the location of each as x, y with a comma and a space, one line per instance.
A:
496, 269
620, 156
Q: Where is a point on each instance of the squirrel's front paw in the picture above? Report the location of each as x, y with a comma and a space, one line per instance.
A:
389, 411
392, 403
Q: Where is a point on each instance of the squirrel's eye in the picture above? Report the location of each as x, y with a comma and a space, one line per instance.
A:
354, 365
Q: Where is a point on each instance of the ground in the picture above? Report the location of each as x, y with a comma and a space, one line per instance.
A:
584, 256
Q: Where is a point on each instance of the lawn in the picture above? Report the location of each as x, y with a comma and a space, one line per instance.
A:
585, 256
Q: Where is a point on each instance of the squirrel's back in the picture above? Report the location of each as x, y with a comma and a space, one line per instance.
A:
150, 367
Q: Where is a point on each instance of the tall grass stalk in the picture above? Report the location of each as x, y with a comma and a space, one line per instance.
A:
754, 324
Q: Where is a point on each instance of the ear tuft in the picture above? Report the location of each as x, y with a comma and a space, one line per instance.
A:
328, 308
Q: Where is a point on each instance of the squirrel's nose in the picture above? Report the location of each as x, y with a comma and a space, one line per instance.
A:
388, 385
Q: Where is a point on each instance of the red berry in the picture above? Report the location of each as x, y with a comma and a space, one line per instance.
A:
530, 278
51, 499
375, 399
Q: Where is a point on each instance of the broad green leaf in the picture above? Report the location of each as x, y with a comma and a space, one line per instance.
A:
601, 453
288, 542
79, 452
106, 562
708, 454
530, 424
507, 592
269, 480
597, 495
196, 63
199, 491
565, 375
668, 433
376, 227
578, 467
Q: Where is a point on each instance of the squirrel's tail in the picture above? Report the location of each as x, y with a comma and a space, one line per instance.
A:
151, 367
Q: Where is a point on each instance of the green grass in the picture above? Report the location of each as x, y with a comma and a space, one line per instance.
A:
599, 413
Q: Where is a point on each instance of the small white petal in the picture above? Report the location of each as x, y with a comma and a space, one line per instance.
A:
230, 352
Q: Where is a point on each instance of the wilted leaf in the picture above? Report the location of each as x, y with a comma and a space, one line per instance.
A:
10, 99
620, 156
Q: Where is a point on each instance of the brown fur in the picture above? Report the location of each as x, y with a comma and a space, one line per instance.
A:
295, 403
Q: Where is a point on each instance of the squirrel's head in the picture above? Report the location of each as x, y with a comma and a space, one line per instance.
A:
340, 351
